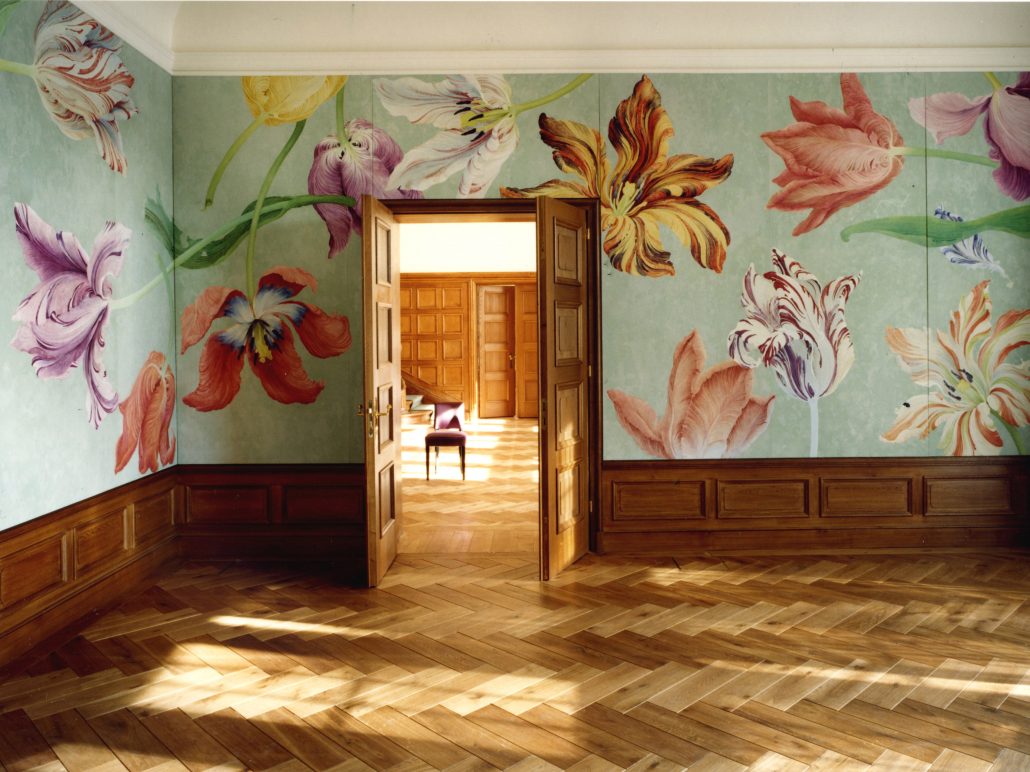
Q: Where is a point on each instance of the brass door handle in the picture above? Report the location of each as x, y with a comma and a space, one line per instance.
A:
389, 409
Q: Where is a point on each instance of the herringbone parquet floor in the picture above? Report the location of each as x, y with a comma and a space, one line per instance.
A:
892, 662
494, 509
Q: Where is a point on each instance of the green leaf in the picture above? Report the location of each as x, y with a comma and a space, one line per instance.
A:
221, 248
934, 232
167, 232
6, 9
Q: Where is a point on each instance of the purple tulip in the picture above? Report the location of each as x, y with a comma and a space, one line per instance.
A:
1006, 126
63, 319
360, 165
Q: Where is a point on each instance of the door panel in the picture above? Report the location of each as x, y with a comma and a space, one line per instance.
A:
382, 411
496, 351
562, 238
527, 359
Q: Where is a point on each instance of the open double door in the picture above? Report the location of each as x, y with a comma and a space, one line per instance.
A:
563, 246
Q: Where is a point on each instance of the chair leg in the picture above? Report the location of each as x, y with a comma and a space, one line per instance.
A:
436, 459
461, 452
427, 460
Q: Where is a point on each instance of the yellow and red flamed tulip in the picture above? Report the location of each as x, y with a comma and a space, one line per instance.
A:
647, 189
833, 158
259, 333
970, 388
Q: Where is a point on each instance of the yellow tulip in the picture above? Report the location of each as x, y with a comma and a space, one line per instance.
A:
288, 98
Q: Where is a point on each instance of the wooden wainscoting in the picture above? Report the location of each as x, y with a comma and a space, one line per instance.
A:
651, 506
78, 561
303, 512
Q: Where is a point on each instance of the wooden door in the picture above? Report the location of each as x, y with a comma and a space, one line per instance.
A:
496, 311
527, 353
382, 338
562, 241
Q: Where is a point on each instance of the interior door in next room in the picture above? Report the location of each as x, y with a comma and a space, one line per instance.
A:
496, 311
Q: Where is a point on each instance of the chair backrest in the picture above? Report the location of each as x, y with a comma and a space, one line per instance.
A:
448, 415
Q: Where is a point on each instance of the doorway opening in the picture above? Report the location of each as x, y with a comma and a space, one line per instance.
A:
469, 332
568, 311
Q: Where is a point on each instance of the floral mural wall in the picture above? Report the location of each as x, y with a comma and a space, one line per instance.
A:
87, 360
792, 265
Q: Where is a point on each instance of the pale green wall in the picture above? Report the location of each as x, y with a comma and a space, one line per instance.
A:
50, 455
902, 284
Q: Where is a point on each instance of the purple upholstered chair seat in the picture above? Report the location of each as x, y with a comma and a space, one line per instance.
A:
446, 439
447, 432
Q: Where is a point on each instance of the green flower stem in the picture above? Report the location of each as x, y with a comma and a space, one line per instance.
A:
813, 439
1013, 432
17, 68
340, 124
570, 86
234, 148
933, 152
298, 129
996, 84
283, 206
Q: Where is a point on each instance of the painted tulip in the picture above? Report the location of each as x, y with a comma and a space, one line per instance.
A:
147, 417
259, 333
478, 130
647, 189
969, 388
288, 98
834, 158
63, 319
796, 326
359, 165
1006, 127
709, 414
81, 79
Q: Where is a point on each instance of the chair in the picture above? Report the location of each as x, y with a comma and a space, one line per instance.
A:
447, 432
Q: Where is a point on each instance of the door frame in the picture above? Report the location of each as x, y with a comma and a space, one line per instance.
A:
524, 210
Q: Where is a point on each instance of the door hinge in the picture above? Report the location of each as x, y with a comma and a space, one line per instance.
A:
590, 371
591, 505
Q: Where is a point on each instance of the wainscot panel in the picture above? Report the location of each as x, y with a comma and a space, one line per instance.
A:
869, 503
60, 570
281, 512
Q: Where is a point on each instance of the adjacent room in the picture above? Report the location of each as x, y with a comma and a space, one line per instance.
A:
514, 385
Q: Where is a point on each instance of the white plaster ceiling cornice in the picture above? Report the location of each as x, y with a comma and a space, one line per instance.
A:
383, 37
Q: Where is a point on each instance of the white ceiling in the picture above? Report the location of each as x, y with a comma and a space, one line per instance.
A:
272, 36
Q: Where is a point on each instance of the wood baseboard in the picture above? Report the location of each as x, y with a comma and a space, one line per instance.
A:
63, 567
867, 503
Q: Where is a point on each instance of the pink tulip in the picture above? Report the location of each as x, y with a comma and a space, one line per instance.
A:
834, 158
710, 413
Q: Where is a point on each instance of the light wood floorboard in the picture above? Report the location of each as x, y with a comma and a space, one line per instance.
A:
465, 661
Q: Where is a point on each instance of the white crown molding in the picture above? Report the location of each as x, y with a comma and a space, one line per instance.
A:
650, 60
139, 36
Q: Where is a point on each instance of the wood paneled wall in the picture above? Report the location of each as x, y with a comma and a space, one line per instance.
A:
60, 569
82, 559
787, 504
438, 333
303, 512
